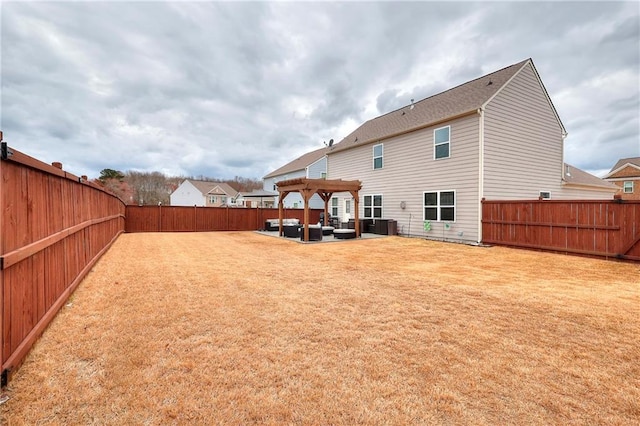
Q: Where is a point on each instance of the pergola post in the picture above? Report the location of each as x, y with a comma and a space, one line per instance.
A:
281, 197
306, 195
326, 196
280, 214
356, 206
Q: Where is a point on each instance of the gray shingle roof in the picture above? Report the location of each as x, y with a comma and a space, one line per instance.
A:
580, 177
299, 163
465, 98
206, 187
632, 160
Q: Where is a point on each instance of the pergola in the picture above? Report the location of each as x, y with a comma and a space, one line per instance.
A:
325, 189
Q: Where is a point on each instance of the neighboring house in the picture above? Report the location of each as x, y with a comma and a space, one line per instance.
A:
202, 193
257, 198
311, 165
429, 164
626, 176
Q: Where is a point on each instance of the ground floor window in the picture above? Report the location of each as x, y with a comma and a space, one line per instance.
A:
440, 206
334, 207
372, 206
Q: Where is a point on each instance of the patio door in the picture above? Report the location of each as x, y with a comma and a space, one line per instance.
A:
348, 214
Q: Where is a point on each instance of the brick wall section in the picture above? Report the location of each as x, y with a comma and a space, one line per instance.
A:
631, 174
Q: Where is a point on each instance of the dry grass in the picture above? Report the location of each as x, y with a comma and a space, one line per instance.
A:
239, 328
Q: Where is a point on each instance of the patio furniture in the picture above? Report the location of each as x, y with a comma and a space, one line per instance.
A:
315, 233
327, 230
291, 231
274, 224
344, 234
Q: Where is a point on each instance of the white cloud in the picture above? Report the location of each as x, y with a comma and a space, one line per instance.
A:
225, 89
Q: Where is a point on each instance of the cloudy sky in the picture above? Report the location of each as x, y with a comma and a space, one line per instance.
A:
226, 89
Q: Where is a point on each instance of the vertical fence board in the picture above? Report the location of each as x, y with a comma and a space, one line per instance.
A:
204, 219
606, 228
52, 228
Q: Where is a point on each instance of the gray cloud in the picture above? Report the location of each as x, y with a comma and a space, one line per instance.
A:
225, 89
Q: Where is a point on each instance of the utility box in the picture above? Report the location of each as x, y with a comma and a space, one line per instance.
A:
392, 227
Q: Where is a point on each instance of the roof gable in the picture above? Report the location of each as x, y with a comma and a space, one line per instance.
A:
299, 163
206, 187
461, 100
633, 162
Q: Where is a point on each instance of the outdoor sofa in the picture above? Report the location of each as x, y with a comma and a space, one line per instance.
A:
274, 224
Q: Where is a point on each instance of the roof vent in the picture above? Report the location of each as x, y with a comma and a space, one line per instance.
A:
566, 170
489, 83
412, 104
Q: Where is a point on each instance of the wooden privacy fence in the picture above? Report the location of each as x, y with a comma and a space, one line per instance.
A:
54, 226
203, 219
606, 228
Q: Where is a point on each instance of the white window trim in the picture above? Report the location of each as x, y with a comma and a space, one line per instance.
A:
335, 206
624, 186
438, 206
381, 156
441, 143
372, 206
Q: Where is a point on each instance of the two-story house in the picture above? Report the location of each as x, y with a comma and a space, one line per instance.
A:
429, 164
312, 165
203, 193
626, 175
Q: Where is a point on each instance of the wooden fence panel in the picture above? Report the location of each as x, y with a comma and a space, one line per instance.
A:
53, 228
204, 219
606, 228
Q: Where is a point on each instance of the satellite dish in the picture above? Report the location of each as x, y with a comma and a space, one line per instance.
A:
330, 142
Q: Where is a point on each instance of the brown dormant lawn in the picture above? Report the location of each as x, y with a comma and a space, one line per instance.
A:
241, 328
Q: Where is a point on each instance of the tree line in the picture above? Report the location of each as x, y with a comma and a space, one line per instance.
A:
152, 188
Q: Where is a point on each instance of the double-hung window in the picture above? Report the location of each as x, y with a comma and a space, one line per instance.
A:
334, 207
628, 187
442, 142
372, 206
212, 199
440, 206
377, 156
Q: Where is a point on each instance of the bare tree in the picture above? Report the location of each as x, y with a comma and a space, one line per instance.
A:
149, 188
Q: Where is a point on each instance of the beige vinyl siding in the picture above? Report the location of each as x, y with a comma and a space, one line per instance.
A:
523, 141
410, 169
577, 193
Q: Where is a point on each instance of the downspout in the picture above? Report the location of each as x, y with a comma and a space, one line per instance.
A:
480, 171
563, 135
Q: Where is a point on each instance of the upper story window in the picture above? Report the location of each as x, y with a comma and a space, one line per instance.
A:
372, 206
628, 187
377, 156
323, 175
441, 142
212, 199
440, 205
